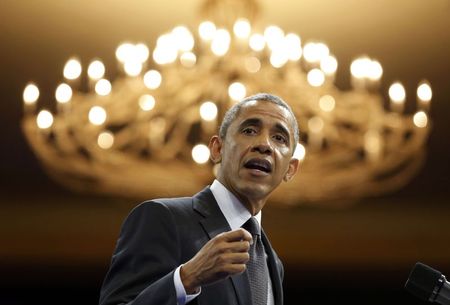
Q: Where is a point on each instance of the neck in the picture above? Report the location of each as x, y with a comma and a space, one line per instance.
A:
253, 204
254, 207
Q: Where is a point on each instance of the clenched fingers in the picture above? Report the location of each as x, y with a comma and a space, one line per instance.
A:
236, 235
237, 246
236, 258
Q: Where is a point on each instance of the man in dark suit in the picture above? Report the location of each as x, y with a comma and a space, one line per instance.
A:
195, 250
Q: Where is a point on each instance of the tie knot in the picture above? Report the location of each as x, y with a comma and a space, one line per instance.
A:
252, 226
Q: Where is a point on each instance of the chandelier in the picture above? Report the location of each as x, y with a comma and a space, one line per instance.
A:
144, 134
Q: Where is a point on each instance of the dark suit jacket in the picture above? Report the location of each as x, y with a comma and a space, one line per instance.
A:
160, 235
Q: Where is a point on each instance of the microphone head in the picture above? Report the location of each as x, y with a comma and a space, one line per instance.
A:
422, 281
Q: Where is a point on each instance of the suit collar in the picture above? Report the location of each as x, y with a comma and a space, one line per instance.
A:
214, 223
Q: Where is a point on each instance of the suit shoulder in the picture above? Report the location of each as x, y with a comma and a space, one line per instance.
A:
168, 204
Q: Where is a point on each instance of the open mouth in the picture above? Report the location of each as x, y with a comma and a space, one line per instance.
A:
259, 164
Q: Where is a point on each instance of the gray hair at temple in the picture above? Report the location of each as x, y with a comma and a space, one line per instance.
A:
232, 113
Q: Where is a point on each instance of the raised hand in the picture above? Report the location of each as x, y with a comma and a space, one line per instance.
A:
223, 256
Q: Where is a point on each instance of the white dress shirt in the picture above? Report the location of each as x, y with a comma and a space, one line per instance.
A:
236, 215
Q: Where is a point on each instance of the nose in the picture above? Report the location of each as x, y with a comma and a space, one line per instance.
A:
262, 145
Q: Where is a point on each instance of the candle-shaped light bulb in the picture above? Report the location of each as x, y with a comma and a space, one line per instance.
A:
97, 115
360, 67
375, 71
314, 52
309, 52
322, 51
420, 119
124, 51
152, 79
141, 52
103, 87
424, 95
206, 30
96, 70
221, 42
315, 77
273, 36
147, 102
188, 59
208, 111
30, 97
132, 68
183, 38
72, 69
242, 28
105, 140
397, 96
44, 119
315, 124
329, 65
200, 153
63, 93
327, 103
257, 42
252, 64
292, 43
279, 57
237, 91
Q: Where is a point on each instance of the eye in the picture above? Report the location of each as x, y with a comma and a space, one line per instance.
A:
280, 138
249, 130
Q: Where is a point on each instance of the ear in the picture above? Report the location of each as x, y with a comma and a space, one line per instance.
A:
215, 149
292, 169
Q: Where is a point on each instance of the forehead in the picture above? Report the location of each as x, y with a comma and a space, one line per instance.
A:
267, 112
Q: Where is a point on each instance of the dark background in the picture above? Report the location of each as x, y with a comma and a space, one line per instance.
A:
56, 244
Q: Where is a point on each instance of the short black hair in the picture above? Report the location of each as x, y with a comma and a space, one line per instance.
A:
232, 113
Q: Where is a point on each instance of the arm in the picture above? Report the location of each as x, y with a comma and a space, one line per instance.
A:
146, 255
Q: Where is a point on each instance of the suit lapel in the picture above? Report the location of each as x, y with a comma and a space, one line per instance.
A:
274, 271
214, 223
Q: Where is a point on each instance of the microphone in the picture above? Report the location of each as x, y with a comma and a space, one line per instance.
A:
428, 284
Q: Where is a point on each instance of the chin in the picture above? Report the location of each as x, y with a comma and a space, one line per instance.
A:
255, 190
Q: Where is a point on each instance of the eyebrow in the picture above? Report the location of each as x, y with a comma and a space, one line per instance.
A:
257, 122
250, 122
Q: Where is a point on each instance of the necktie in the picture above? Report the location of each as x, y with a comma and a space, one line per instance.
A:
257, 270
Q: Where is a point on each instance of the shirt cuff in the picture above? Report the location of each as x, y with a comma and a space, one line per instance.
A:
182, 297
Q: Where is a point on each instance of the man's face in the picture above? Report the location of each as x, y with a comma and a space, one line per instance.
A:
256, 154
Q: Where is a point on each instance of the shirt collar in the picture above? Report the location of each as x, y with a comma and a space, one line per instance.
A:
234, 211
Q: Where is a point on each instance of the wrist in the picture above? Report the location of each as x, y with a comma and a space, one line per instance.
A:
188, 280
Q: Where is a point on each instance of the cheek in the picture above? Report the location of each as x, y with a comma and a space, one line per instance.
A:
238, 149
284, 156
232, 154
283, 151
235, 154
